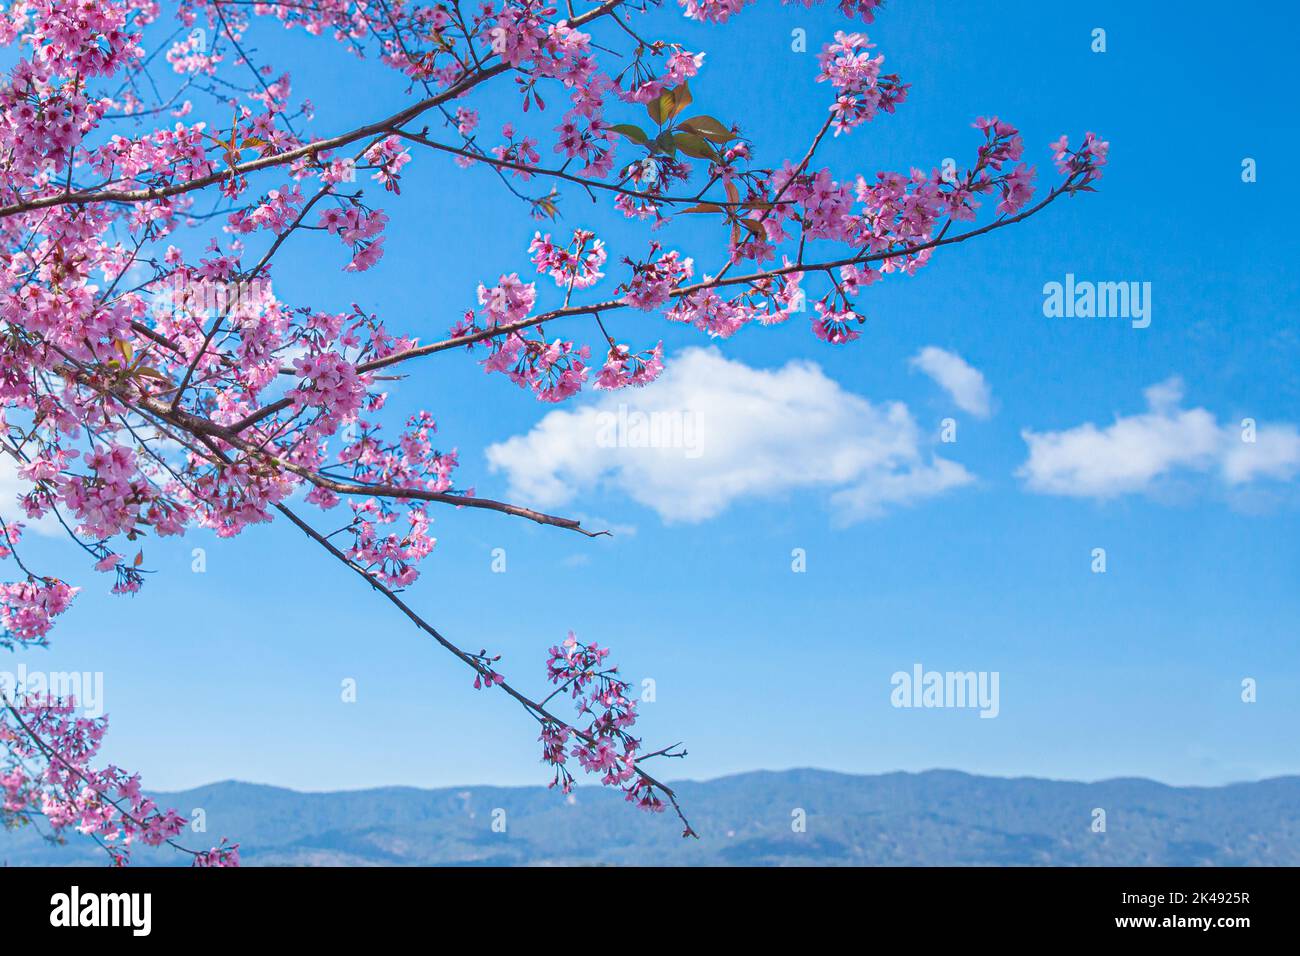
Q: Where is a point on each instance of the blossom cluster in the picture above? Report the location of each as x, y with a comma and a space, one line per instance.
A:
135, 405
50, 772
602, 743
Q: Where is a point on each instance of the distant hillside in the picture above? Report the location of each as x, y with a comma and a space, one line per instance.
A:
934, 818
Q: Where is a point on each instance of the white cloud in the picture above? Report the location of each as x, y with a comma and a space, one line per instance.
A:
712, 431
1134, 452
955, 376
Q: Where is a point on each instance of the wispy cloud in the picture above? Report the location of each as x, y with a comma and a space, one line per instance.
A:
963, 382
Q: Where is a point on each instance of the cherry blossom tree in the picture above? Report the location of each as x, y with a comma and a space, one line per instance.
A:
147, 391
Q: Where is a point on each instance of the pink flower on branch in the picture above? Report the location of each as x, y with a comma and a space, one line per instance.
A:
155, 377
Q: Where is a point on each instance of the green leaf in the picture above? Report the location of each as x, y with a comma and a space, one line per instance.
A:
665, 143
635, 133
708, 127
658, 108
681, 99
696, 146
669, 103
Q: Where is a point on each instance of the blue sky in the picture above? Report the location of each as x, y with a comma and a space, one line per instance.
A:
235, 673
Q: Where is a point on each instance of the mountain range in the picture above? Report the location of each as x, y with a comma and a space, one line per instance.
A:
763, 818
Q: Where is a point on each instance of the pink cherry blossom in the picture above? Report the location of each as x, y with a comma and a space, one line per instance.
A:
161, 372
